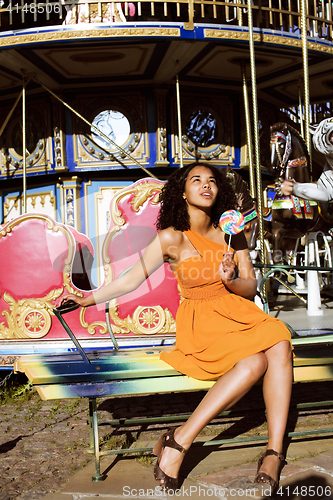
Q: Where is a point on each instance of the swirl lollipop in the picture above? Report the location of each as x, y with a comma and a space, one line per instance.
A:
232, 222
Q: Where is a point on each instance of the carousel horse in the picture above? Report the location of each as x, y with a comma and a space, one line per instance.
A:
292, 216
322, 191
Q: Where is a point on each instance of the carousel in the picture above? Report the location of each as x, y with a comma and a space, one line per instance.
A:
101, 101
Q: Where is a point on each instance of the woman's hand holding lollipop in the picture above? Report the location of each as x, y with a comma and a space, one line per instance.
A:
231, 222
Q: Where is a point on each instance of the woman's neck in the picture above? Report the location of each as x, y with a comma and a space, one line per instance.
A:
201, 222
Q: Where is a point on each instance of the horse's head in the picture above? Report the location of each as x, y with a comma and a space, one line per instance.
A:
323, 137
280, 148
286, 145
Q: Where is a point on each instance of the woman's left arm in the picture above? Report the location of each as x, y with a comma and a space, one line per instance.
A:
239, 278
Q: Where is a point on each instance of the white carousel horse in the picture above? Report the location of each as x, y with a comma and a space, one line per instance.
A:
322, 191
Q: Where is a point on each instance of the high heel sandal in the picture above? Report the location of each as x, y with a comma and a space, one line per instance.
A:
262, 477
166, 440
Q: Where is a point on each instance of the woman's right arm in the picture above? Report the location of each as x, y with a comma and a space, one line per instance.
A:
156, 253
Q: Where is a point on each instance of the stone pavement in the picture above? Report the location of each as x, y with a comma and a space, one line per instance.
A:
43, 449
308, 477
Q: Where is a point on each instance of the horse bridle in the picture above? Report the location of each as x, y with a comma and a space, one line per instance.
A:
287, 139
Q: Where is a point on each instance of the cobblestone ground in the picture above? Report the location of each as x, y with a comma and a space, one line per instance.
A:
43, 443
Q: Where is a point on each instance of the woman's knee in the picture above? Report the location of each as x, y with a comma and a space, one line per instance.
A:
280, 352
254, 366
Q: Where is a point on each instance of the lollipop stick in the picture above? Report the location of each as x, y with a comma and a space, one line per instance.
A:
229, 242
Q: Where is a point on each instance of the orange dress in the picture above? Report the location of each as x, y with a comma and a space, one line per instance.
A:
216, 328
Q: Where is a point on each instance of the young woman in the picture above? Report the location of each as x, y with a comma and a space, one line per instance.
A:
221, 334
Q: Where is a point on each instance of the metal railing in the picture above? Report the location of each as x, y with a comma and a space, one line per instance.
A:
280, 15
318, 111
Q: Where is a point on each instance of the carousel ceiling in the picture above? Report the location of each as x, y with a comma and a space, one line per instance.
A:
200, 63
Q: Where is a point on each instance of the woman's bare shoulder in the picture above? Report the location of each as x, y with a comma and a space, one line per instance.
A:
171, 236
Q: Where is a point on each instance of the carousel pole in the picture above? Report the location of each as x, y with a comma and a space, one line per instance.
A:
179, 119
248, 133
24, 150
314, 300
259, 197
254, 252
300, 107
304, 31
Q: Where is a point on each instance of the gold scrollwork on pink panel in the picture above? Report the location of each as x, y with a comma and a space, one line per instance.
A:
146, 320
142, 192
91, 328
28, 318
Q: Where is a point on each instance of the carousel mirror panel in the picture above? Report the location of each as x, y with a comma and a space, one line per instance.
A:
39, 151
113, 122
207, 131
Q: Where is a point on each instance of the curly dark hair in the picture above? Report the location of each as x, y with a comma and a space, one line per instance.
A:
173, 211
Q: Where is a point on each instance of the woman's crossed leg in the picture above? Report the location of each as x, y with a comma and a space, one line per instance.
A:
276, 367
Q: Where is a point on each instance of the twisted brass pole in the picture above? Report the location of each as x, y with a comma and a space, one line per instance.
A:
259, 197
179, 119
304, 31
248, 134
300, 108
24, 152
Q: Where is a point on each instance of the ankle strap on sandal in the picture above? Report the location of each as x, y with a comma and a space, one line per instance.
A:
273, 452
170, 442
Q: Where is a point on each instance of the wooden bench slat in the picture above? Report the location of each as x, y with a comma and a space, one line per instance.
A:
158, 385
313, 354
139, 364
313, 340
317, 373
140, 370
104, 355
56, 374
117, 357
144, 367
123, 387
